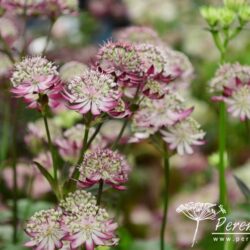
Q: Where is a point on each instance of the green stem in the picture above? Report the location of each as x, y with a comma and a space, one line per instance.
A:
222, 160
50, 145
99, 195
14, 169
118, 138
71, 185
165, 197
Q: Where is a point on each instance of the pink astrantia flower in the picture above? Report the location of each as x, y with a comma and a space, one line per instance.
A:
155, 114
45, 230
92, 92
85, 223
183, 135
237, 99
182, 71
36, 78
122, 60
227, 75
233, 81
8, 30
155, 62
105, 165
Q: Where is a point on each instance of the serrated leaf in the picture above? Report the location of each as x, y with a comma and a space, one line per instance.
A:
243, 187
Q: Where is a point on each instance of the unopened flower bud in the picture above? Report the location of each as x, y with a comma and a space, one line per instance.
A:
226, 17
244, 14
210, 14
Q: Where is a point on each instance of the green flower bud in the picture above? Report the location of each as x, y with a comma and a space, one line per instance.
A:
226, 17
244, 14
234, 4
210, 14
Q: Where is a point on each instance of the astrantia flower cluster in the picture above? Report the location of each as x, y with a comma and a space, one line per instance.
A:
77, 222
183, 135
122, 60
93, 92
36, 80
169, 117
106, 165
86, 223
45, 230
232, 81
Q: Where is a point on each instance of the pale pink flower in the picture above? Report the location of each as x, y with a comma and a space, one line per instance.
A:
182, 71
106, 165
92, 92
233, 81
227, 75
183, 135
45, 230
35, 79
85, 223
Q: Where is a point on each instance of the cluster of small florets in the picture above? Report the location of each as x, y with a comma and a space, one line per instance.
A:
93, 92
77, 222
86, 223
232, 82
106, 165
35, 77
169, 117
45, 230
121, 59
183, 135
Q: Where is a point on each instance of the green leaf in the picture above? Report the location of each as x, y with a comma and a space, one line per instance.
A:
47, 175
243, 187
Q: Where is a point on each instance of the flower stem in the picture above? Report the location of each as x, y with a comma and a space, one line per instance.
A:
52, 21
99, 196
14, 172
165, 195
196, 231
118, 138
71, 185
50, 146
222, 160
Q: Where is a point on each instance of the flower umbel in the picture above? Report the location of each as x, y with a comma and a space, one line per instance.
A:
86, 223
92, 92
45, 230
106, 165
35, 77
183, 135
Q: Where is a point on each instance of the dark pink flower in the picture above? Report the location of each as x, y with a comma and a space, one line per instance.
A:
106, 165
122, 60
